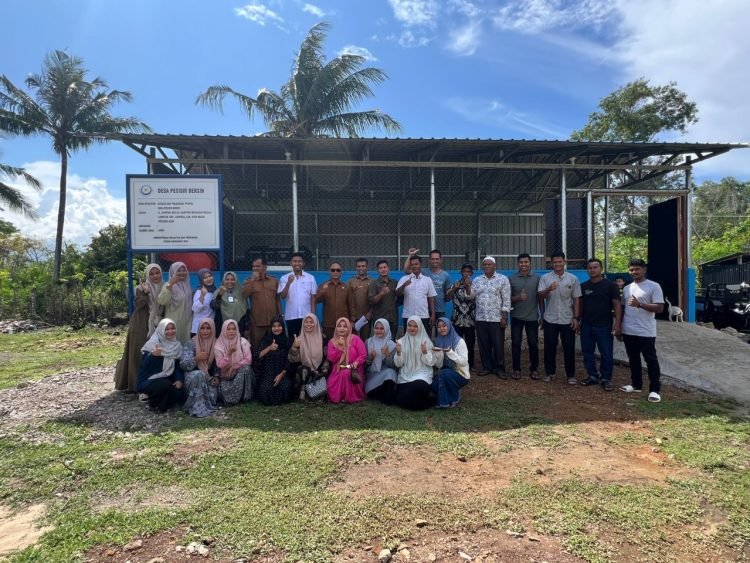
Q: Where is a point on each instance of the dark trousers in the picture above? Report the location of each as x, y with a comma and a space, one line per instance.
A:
162, 394
491, 338
425, 323
416, 395
517, 327
293, 326
469, 335
568, 338
637, 346
385, 393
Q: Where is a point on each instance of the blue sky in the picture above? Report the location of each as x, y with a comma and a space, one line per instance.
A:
529, 69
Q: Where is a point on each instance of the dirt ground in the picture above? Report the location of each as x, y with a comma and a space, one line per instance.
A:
87, 395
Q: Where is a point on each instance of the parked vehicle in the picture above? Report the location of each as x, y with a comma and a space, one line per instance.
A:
725, 304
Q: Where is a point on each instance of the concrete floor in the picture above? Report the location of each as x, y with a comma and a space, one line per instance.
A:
695, 357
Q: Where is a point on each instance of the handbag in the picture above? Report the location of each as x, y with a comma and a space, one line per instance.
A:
316, 389
353, 375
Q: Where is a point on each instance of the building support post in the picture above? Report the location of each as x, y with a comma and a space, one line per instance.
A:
563, 214
589, 225
295, 206
433, 230
606, 225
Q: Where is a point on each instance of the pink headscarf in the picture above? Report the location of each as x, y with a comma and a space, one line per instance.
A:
241, 355
205, 345
347, 339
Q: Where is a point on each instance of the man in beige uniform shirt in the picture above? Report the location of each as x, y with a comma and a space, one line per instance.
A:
358, 288
265, 304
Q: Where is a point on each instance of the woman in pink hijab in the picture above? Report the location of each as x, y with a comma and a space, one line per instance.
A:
347, 354
233, 358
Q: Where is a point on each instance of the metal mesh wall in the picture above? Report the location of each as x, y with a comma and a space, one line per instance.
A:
348, 212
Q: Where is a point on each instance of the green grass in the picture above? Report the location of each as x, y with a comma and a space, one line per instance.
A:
259, 481
33, 355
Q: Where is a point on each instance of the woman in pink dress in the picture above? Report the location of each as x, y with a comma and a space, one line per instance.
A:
347, 354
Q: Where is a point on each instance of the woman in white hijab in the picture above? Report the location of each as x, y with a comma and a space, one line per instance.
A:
160, 376
177, 298
380, 382
415, 359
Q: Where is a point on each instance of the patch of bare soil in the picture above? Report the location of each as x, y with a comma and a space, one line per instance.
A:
170, 546
483, 546
133, 499
18, 531
187, 453
585, 455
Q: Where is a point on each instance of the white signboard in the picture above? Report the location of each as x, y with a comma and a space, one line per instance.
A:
174, 212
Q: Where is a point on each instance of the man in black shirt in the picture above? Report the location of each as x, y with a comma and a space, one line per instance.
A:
600, 302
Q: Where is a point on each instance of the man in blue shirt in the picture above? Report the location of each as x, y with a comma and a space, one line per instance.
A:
440, 278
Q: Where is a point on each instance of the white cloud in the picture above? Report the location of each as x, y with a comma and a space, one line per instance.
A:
535, 16
464, 41
703, 47
260, 14
409, 39
510, 122
356, 50
314, 10
89, 206
415, 12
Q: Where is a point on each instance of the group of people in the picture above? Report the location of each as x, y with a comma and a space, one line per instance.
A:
231, 343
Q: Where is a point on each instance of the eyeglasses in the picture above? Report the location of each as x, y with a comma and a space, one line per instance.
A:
335, 269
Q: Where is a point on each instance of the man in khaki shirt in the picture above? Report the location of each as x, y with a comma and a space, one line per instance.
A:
265, 304
358, 288
336, 299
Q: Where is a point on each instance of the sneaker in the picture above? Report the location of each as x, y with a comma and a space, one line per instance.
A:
589, 381
654, 397
607, 386
629, 389
534, 375
142, 397
516, 374
572, 381
547, 378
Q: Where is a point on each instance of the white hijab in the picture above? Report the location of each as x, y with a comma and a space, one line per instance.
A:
375, 344
171, 349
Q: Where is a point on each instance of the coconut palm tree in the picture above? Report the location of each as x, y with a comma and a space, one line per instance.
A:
11, 197
317, 99
73, 111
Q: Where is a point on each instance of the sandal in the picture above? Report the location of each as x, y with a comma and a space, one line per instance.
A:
654, 397
629, 389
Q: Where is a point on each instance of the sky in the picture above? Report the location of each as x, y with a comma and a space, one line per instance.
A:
490, 69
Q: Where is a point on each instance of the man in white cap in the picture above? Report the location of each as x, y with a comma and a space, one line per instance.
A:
492, 295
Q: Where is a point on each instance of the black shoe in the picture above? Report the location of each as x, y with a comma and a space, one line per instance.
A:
483, 372
607, 386
589, 381
501, 374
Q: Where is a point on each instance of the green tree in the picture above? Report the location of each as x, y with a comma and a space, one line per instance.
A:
733, 240
636, 112
12, 197
318, 97
639, 112
107, 251
73, 111
719, 206
7, 228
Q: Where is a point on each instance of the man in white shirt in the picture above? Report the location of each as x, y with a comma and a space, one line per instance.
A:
298, 289
643, 299
561, 292
419, 294
492, 298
